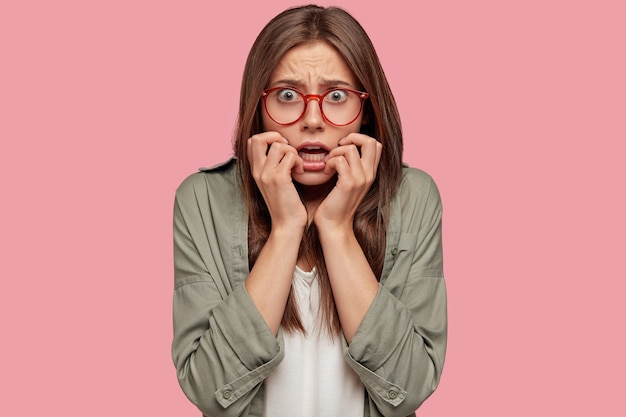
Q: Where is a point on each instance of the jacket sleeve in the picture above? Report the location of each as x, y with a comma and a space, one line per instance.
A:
222, 348
398, 351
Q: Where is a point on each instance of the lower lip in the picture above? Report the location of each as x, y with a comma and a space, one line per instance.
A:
313, 161
314, 166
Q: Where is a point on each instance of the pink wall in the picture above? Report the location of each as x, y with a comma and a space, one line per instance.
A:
517, 109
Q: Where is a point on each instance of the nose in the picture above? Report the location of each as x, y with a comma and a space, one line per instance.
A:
313, 118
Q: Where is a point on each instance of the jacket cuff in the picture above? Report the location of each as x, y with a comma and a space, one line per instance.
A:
246, 330
251, 341
366, 347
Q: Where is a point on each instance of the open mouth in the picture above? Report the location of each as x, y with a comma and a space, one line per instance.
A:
313, 156
312, 153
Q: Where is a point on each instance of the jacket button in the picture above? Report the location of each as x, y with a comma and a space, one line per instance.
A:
227, 394
393, 395
394, 251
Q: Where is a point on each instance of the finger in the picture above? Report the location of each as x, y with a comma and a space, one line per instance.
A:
357, 139
347, 165
351, 154
262, 142
353, 157
298, 166
332, 163
370, 155
291, 163
284, 156
258, 146
371, 151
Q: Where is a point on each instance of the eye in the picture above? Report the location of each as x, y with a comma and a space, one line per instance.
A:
287, 95
337, 96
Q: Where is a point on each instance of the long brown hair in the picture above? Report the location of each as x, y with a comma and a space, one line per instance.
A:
381, 121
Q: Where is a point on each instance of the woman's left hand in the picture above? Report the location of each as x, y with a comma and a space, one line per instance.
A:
355, 161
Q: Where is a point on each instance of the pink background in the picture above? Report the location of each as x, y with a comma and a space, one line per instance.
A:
517, 109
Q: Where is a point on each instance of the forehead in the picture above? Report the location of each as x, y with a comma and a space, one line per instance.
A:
313, 63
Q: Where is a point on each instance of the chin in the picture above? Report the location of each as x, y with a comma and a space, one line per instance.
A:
312, 178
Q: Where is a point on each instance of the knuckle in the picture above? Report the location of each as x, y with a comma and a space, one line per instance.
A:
264, 177
341, 161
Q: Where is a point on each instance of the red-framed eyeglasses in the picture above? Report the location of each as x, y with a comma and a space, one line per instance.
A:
339, 106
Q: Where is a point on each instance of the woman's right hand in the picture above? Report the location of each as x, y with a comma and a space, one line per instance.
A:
272, 161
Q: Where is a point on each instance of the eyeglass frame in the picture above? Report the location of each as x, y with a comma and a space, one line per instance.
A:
320, 99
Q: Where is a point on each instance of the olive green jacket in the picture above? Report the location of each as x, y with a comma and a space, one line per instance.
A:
222, 348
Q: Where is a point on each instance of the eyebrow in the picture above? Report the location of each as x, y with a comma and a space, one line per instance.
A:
301, 83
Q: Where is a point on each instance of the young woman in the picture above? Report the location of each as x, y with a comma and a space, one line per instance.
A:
309, 276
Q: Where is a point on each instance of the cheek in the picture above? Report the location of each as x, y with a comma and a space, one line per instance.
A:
355, 127
266, 121
271, 126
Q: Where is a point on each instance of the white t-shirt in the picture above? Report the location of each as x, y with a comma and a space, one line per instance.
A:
313, 379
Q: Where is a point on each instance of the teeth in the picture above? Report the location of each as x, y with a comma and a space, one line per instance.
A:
312, 157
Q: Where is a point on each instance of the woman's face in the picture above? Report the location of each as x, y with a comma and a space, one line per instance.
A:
312, 68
